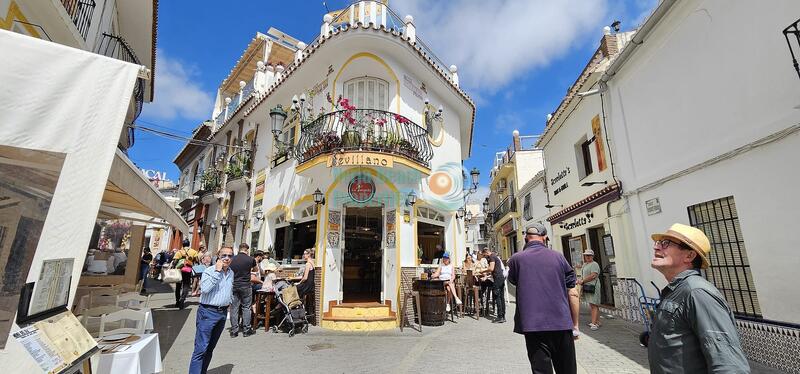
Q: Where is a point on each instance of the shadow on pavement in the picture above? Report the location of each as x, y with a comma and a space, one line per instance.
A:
224, 369
619, 335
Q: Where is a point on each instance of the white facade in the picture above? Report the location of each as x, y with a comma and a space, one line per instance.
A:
476, 229
706, 109
533, 199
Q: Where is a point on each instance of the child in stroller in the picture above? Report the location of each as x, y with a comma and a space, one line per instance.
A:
291, 311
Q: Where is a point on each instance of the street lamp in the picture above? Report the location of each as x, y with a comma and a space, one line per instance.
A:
242, 217
548, 206
319, 198
469, 216
460, 213
411, 199
224, 223
278, 116
301, 106
486, 205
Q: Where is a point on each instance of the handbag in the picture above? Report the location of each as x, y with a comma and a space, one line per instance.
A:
588, 288
172, 276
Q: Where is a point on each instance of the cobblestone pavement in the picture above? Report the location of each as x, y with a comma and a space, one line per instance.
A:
468, 346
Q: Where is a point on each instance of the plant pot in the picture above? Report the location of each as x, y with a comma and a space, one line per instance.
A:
351, 139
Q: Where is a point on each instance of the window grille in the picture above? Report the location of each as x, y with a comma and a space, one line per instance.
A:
730, 268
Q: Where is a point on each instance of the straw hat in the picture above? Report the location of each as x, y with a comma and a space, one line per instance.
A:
588, 252
691, 237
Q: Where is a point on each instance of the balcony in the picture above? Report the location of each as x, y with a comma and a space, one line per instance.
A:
366, 130
116, 47
233, 103
508, 205
238, 169
80, 11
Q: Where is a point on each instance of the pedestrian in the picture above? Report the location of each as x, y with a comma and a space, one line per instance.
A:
147, 257
242, 264
159, 261
183, 260
446, 272
499, 283
215, 295
544, 311
590, 286
693, 330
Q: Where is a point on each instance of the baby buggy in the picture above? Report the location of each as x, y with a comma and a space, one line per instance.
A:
292, 308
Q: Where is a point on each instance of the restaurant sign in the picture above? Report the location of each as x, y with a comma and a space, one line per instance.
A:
508, 227
361, 188
361, 159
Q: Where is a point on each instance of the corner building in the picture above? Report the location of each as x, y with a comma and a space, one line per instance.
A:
386, 159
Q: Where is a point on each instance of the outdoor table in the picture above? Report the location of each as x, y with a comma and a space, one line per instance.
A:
432, 296
267, 297
142, 357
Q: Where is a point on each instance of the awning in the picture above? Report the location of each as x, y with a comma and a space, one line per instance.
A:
129, 195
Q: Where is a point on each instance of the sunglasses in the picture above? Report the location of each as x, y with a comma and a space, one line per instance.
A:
225, 256
665, 243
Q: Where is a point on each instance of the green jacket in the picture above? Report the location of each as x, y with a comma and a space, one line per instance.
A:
693, 330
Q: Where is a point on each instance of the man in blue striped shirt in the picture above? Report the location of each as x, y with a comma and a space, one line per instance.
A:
216, 289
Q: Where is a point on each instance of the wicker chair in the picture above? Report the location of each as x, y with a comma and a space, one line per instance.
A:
409, 294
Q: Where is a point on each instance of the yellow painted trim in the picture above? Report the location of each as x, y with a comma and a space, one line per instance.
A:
380, 61
14, 13
416, 236
399, 159
397, 220
284, 208
309, 164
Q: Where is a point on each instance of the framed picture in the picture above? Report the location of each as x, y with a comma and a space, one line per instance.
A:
608, 244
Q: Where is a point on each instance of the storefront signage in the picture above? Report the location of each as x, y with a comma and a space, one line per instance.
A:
653, 206
190, 215
415, 86
361, 188
361, 159
560, 175
508, 227
261, 179
560, 188
577, 222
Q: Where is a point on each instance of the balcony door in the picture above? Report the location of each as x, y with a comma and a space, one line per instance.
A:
367, 93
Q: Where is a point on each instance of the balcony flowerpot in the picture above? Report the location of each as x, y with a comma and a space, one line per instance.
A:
351, 139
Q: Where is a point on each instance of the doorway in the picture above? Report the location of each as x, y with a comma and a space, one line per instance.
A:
430, 239
363, 254
607, 278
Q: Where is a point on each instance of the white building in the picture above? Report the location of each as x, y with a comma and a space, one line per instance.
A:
703, 117
476, 229
533, 204
371, 184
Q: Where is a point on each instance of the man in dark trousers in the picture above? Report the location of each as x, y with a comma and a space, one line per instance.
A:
499, 282
543, 279
242, 299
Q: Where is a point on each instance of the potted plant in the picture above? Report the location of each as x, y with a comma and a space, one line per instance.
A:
210, 180
329, 141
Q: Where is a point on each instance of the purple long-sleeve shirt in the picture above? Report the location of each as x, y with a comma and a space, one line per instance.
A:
542, 277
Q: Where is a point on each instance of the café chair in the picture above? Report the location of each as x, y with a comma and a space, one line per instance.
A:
472, 298
133, 300
121, 318
90, 318
414, 296
103, 296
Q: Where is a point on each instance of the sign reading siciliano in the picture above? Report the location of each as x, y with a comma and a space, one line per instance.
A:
361, 159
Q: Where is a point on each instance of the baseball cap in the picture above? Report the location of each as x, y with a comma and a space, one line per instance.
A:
446, 255
536, 229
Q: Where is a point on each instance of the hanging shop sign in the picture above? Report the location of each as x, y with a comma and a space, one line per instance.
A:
361, 159
361, 189
261, 179
577, 222
508, 227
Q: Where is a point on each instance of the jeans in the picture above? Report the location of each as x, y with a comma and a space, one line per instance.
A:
500, 297
143, 275
242, 298
558, 346
182, 289
210, 324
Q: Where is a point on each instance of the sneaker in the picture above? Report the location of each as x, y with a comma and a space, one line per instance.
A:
458, 302
593, 327
234, 334
248, 332
499, 320
447, 308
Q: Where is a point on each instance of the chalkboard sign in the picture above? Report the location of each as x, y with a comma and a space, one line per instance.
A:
608, 243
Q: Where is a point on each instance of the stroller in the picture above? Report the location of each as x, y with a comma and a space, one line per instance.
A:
294, 312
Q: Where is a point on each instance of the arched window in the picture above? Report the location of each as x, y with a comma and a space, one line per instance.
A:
367, 93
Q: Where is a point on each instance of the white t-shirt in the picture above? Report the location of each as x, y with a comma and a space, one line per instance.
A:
446, 272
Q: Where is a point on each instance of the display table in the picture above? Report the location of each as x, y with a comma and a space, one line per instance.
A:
433, 301
142, 357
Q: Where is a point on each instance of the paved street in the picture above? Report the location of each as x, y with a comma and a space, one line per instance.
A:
469, 346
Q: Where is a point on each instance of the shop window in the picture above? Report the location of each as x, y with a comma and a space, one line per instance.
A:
280, 219
367, 93
429, 214
526, 208
583, 156
730, 269
310, 211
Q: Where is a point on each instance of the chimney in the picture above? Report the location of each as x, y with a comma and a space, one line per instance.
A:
516, 140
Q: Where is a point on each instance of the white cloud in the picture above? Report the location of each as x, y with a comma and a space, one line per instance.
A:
177, 92
494, 42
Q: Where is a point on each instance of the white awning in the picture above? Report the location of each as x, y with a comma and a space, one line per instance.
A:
130, 195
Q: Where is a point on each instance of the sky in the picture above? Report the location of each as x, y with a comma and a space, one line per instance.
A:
515, 58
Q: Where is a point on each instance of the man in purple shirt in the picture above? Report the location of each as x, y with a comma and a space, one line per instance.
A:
544, 313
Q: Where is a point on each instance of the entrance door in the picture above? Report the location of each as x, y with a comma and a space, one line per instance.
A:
363, 254
606, 278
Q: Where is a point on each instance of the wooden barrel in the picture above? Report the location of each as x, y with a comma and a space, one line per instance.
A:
432, 299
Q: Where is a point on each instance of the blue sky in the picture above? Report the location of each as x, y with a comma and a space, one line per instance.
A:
516, 59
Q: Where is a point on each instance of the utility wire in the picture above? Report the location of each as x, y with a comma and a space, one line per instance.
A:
181, 138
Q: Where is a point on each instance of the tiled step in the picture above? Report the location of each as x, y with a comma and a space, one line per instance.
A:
360, 310
358, 325
359, 317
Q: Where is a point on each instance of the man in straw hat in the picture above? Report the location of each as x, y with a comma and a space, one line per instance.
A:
693, 330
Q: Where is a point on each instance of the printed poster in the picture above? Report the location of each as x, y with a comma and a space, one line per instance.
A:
391, 219
261, 181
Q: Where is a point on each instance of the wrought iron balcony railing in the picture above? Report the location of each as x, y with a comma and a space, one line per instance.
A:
364, 130
238, 165
508, 205
116, 47
80, 11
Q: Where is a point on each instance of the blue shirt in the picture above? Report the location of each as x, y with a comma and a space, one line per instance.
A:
542, 277
216, 287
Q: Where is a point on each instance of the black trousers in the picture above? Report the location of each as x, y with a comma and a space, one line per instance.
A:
558, 346
500, 297
182, 289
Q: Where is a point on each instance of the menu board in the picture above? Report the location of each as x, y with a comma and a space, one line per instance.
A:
52, 289
57, 342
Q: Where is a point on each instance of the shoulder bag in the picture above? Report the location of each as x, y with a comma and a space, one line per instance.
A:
172, 276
